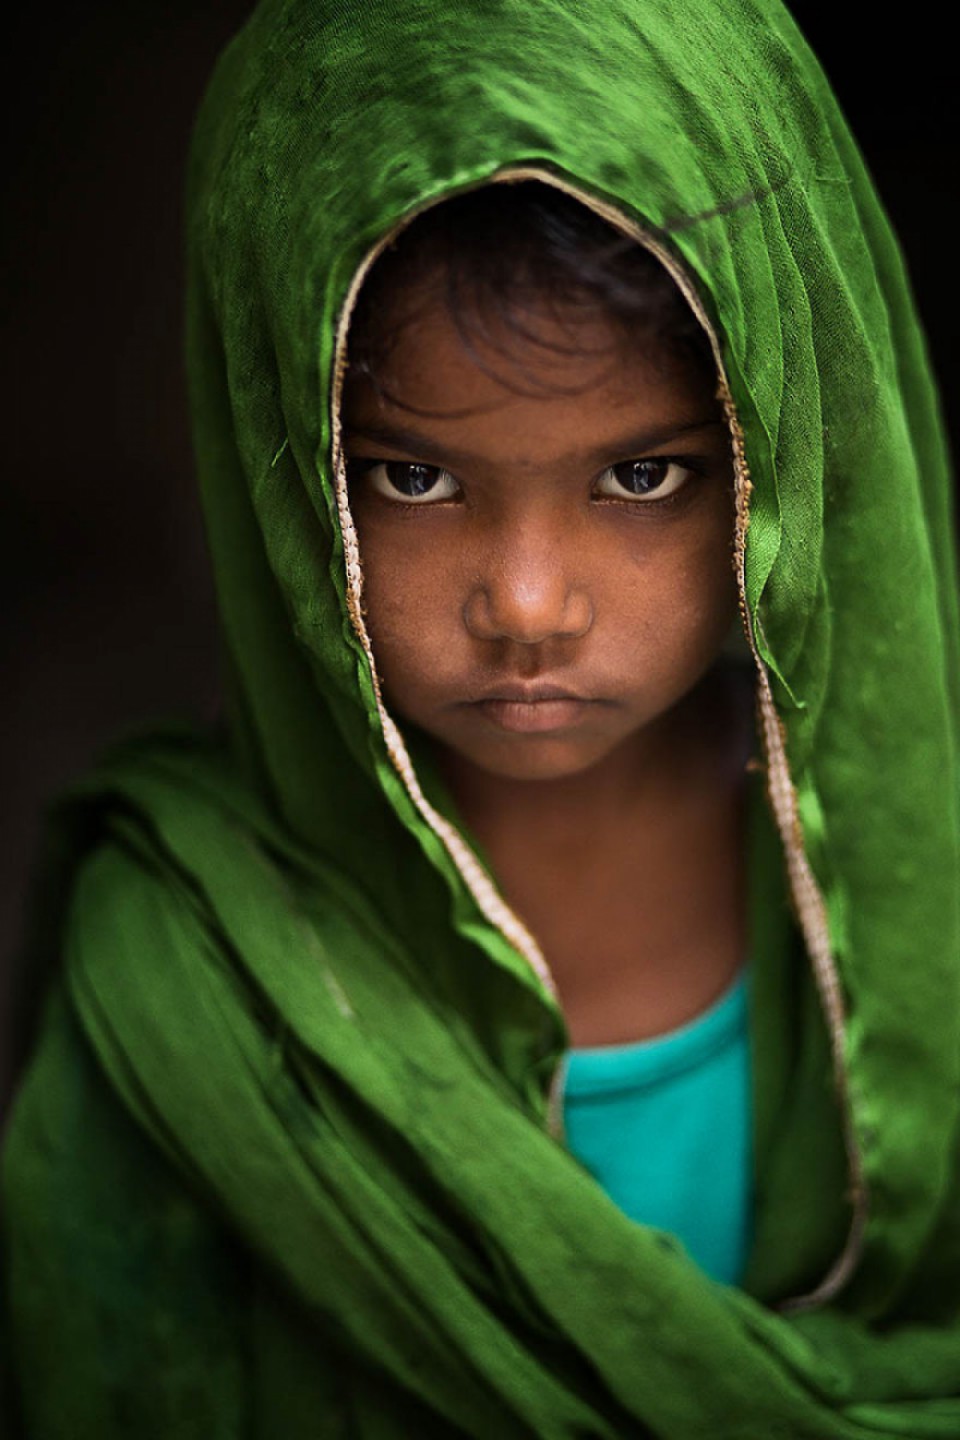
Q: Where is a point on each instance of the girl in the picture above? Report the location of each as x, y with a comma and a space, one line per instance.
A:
487, 1034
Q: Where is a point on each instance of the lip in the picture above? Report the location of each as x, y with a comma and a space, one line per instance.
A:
535, 709
532, 694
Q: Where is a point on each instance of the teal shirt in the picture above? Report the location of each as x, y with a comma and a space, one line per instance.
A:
664, 1126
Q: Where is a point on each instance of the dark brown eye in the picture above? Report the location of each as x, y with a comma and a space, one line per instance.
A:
408, 482
643, 479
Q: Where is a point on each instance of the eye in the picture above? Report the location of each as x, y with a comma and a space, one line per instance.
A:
641, 480
407, 482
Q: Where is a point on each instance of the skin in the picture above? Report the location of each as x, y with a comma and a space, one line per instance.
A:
554, 632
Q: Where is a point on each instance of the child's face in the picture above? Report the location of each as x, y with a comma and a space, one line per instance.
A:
545, 575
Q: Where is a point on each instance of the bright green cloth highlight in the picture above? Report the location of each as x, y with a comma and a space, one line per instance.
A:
280, 1165
663, 1125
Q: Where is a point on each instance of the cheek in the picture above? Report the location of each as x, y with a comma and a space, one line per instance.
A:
711, 597
710, 577
411, 600
684, 596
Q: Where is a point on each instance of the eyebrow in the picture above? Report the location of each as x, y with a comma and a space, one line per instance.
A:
402, 437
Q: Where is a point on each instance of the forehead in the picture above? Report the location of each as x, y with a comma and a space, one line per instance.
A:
535, 387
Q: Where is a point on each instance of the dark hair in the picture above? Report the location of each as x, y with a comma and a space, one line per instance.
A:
498, 255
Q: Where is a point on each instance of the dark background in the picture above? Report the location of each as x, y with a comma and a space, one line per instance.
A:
107, 615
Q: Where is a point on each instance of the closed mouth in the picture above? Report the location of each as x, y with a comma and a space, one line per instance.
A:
535, 694
534, 709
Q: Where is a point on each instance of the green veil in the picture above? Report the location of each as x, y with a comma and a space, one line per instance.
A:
285, 1161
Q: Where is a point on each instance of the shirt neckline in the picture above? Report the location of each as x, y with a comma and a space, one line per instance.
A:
603, 1069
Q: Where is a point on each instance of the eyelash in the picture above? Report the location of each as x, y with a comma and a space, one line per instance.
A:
691, 465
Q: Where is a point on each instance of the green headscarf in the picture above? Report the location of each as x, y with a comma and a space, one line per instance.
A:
284, 1163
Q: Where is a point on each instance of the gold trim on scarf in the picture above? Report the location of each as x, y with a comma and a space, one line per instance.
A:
805, 891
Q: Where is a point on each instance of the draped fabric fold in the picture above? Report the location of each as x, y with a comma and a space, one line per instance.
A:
282, 1163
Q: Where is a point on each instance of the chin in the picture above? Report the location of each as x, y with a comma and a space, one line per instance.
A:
533, 759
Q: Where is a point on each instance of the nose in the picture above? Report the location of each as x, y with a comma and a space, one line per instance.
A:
528, 590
